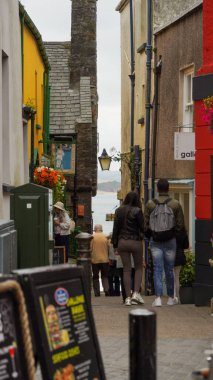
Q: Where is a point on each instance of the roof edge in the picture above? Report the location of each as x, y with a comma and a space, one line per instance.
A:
121, 5
192, 9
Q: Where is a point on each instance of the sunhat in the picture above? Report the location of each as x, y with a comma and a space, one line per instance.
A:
59, 205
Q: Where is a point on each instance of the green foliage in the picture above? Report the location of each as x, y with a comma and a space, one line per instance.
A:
187, 273
129, 160
30, 103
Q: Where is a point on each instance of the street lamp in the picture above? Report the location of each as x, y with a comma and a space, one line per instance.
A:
105, 160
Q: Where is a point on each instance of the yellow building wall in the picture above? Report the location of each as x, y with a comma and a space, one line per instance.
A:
140, 36
33, 86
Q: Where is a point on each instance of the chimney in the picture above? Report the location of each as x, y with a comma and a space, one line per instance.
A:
83, 41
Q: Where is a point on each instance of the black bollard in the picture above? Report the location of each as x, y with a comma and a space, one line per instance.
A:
84, 257
142, 344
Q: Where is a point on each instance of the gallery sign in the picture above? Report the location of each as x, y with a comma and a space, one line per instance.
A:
184, 146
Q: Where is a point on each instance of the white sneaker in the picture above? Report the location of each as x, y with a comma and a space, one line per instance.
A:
128, 301
176, 301
137, 299
157, 302
171, 301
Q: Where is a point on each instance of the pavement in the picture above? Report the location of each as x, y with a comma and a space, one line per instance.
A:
184, 332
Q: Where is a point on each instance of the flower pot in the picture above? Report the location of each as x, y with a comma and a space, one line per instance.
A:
186, 294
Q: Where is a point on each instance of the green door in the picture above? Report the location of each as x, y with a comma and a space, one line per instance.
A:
29, 209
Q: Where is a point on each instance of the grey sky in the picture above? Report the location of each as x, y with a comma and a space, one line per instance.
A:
53, 20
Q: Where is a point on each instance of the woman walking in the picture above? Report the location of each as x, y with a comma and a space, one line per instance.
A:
127, 238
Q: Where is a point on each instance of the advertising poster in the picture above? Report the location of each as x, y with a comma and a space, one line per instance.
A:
10, 365
70, 351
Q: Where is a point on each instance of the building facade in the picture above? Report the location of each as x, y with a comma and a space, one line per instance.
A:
73, 107
12, 150
35, 86
178, 41
176, 55
133, 87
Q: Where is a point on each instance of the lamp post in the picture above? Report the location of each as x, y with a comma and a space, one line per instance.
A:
105, 160
133, 162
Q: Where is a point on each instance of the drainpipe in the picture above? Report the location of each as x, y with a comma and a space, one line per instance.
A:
46, 110
22, 52
132, 75
155, 126
148, 96
148, 109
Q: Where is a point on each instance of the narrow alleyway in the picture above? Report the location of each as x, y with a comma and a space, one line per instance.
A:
184, 332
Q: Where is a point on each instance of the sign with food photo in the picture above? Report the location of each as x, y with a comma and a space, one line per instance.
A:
65, 334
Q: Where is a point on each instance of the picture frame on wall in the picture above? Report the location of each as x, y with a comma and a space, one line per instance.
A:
63, 154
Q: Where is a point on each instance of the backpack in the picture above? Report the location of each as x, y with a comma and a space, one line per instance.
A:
162, 221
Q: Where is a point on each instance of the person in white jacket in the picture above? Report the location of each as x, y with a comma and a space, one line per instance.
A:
61, 227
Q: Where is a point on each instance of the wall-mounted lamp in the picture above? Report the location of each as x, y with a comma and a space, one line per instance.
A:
104, 160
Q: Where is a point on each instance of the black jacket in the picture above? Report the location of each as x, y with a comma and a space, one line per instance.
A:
128, 224
182, 241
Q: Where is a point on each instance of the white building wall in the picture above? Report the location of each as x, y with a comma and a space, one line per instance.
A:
11, 128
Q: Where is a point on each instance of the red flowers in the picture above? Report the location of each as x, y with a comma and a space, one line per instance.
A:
48, 177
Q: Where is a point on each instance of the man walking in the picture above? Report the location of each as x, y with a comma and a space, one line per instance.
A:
163, 219
100, 260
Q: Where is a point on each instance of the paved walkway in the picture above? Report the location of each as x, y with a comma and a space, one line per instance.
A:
184, 332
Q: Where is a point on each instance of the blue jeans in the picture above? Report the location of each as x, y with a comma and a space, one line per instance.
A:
163, 254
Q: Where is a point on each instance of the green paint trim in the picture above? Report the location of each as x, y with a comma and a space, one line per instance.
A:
35, 155
31, 26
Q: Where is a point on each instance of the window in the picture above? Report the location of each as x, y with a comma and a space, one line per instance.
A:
186, 102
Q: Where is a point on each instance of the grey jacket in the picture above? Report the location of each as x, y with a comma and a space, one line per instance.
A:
173, 204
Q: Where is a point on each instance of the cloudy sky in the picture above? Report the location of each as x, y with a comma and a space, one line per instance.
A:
53, 20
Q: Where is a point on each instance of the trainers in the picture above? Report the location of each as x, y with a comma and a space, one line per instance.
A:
137, 299
176, 301
128, 301
157, 302
170, 301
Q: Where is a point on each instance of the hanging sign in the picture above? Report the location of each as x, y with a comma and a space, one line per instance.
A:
65, 335
184, 146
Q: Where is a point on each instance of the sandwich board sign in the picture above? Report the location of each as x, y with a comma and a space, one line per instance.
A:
64, 331
12, 347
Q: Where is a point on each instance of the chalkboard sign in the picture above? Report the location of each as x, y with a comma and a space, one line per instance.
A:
59, 255
12, 365
62, 321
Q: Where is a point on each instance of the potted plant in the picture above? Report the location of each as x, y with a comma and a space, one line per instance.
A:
187, 277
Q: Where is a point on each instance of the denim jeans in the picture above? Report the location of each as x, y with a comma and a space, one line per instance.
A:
163, 254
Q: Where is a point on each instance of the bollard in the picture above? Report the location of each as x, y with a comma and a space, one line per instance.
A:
142, 344
84, 257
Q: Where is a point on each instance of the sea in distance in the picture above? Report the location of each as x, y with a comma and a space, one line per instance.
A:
104, 203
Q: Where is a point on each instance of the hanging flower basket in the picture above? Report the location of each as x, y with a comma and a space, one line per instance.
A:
48, 177
207, 109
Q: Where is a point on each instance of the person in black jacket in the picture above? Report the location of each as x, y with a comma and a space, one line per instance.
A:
127, 238
182, 242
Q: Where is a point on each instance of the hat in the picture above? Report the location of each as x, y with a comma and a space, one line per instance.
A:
59, 205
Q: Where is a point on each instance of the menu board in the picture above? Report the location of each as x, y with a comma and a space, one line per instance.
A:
66, 341
10, 341
59, 256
